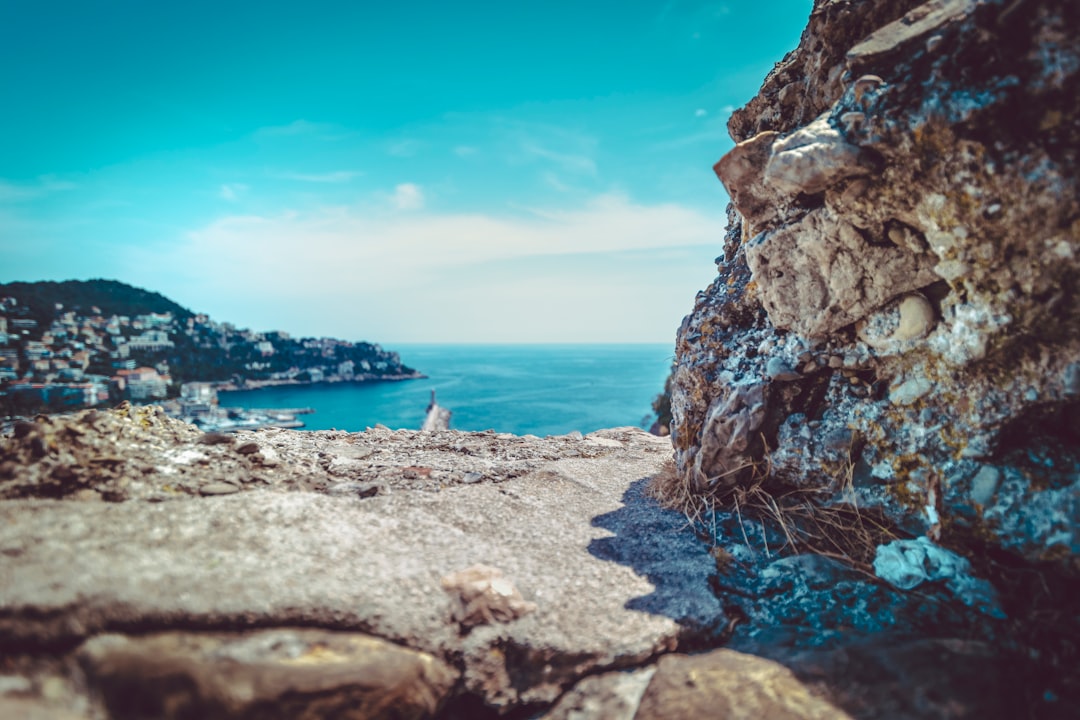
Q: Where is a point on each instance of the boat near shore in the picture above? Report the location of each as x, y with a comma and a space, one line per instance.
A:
198, 404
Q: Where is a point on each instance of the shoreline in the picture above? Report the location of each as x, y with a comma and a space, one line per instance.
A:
229, 386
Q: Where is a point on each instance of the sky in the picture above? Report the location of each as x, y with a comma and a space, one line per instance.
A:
420, 171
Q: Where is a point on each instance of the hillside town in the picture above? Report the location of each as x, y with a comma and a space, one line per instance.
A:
85, 357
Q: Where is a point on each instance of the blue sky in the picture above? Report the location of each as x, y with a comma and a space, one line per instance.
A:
395, 172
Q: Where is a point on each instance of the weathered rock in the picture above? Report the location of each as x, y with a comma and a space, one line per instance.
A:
281, 673
820, 274
34, 709
903, 236
614, 579
610, 696
895, 679
907, 205
812, 159
728, 684
483, 595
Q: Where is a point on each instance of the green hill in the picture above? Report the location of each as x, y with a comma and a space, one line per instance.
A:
109, 296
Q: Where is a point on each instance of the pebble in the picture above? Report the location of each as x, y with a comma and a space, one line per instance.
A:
916, 318
15, 684
218, 488
248, 448
777, 369
985, 484
357, 489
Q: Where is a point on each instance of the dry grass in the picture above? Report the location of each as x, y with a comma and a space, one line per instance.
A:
670, 490
843, 532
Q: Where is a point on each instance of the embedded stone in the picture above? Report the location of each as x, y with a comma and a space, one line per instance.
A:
729, 684
279, 673
812, 159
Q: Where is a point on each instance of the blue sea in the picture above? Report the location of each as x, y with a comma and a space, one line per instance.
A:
520, 389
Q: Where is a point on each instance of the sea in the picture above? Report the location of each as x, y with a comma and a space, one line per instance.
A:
521, 389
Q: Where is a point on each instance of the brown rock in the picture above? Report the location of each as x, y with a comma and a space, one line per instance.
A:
483, 595
281, 673
34, 709
728, 685
611, 696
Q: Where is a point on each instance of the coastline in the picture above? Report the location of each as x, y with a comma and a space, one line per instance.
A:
229, 386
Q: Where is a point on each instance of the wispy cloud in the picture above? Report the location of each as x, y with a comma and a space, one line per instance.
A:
376, 242
465, 150
555, 183
553, 266
569, 162
232, 191
408, 196
407, 147
12, 192
337, 176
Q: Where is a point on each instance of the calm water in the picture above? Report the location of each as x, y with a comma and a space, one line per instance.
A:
538, 389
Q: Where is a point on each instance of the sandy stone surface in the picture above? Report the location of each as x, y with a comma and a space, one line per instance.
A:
613, 578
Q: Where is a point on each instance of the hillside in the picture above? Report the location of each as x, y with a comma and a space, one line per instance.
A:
111, 297
71, 344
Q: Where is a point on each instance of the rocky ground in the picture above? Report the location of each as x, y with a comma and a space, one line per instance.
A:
150, 570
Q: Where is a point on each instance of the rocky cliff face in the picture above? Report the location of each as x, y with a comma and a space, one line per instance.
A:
896, 321
893, 340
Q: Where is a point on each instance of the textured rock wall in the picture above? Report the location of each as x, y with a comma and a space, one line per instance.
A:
896, 320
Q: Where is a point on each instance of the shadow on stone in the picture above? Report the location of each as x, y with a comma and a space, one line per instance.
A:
661, 546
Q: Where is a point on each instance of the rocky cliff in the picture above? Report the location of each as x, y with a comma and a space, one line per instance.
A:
895, 329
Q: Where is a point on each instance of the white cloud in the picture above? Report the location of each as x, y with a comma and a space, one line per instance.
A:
607, 223
408, 196
232, 191
608, 270
701, 112
465, 150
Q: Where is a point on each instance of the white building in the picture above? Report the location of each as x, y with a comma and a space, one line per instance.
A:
150, 340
